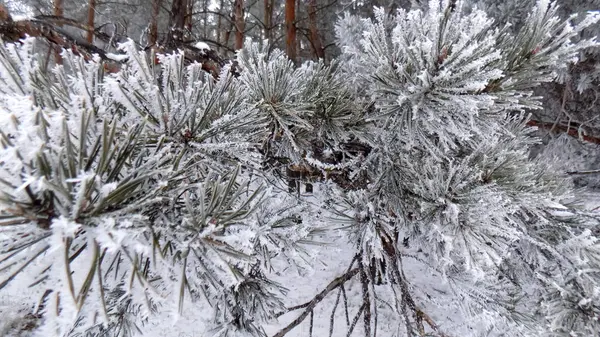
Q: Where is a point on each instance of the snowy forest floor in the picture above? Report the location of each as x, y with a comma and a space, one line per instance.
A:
303, 285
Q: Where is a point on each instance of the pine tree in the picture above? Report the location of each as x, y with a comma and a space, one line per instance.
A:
162, 187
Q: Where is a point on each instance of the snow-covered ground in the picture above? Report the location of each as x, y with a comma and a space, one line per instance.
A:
303, 285
331, 262
13, 307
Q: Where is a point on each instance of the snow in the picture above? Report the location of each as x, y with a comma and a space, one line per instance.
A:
303, 286
117, 57
22, 17
12, 311
331, 263
202, 45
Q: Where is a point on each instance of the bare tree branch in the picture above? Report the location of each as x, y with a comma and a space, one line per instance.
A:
320, 296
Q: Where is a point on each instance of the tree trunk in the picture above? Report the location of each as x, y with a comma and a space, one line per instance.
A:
177, 20
315, 39
239, 23
227, 36
154, 22
298, 38
90, 21
290, 23
268, 19
219, 34
188, 15
58, 11
205, 19
58, 8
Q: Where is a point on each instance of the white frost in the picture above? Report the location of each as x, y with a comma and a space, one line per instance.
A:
202, 45
117, 57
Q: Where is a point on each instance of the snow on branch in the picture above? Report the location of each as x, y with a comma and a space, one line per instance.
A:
47, 27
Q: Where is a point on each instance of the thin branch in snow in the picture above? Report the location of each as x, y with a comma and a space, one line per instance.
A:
320, 296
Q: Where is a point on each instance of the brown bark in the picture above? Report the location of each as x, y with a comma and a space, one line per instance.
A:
219, 27
58, 11
315, 39
177, 20
268, 19
58, 8
572, 131
227, 36
290, 23
298, 38
90, 21
4, 15
239, 23
205, 18
188, 15
154, 22
13, 31
46, 28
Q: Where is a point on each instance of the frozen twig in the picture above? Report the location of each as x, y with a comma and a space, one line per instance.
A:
313, 303
583, 172
355, 320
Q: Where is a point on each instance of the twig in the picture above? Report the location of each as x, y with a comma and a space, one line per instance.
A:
332, 318
345, 305
320, 296
408, 301
364, 280
337, 301
583, 172
355, 320
296, 307
423, 316
568, 130
312, 321
373, 302
404, 305
563, 111
46, 27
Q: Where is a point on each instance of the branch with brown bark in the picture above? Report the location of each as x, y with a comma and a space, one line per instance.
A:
49, 29
569, 130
